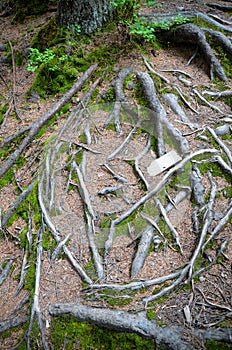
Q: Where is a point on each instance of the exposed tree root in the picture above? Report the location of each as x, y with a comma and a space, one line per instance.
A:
61, 158
11, 323
190, 33
123, 321
193, 34
36, 127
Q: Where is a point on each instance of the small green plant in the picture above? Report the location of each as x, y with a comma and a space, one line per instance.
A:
126, 10
179, 19
139, 27
152, 3
77, 29
143, 30
36, 58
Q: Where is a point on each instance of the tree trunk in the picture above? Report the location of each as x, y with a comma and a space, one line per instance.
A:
88, 14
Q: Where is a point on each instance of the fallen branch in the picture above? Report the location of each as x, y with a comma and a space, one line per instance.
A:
220, 7
207, 221
119, 97
5, 272
177, 88
168, 222
158, 112
23, 273
172, 101
159, 118
225, 94
208, 103
153, 71
123, 144
133, 285
222, 223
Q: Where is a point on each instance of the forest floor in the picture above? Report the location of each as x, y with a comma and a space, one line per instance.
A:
210, 301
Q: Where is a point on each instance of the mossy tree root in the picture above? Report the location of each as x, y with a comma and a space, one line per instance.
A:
38, 124
193, 34
123, 321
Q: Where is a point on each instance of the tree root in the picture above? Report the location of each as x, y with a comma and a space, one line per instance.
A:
192, 34
195, 35
11, 323
123, 321
36, 126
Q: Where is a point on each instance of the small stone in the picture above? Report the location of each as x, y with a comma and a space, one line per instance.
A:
218, 216
3, 47
201, 279
222, 130
180, 8
4, 60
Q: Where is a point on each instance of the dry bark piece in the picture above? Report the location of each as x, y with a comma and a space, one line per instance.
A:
163, 163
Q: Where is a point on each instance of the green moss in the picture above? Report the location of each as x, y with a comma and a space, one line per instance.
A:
213, 345
45, 35
202, 23
139, 95
25, 8
7, 178
29, 282
215, 170
48, 241
84, 336
150, 314
82, 138
110, 96
90, 270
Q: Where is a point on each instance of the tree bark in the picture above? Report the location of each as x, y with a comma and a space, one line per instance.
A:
88, 15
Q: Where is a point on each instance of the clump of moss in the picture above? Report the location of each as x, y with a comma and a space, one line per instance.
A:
46, 34
85, 336
213, 345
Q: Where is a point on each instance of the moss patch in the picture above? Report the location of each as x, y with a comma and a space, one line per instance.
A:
66, 330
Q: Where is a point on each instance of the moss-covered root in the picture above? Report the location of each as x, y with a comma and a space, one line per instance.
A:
191, 33
123, 321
